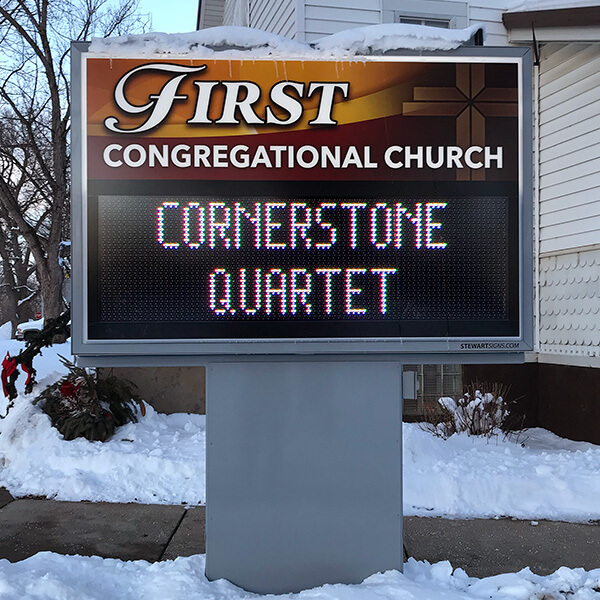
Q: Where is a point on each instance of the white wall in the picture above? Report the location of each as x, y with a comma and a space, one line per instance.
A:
229, 12
212, 13
570, 201
489, 12
310, 20
570, 306
569, 147
278, 17
324, 17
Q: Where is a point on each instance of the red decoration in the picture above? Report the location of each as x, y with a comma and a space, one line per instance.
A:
9, 366
24, 367
68, 389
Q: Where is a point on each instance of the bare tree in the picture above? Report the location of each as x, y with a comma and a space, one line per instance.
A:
18, 287
35, 37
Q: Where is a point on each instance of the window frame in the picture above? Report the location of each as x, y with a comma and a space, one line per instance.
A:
455, 12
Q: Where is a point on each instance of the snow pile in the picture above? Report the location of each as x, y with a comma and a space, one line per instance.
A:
533, 475
5, 331
533, 5
161, 460
395, 36
206, 43
244, 42
48, 576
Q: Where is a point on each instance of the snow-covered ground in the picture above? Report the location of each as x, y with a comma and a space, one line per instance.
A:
48, 576
161, 459
5, 331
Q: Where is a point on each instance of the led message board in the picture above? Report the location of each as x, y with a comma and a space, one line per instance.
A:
267, 201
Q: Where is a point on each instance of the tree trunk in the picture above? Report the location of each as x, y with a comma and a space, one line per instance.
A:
9, 286
51, 282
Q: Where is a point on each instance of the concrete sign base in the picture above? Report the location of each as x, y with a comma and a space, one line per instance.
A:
304, 473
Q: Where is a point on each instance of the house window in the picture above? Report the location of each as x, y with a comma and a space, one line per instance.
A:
435, 13
443, 23
434, 382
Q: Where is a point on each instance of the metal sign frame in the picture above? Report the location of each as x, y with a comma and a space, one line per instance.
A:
100, 350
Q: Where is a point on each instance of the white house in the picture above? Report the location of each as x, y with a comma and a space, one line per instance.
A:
562, 377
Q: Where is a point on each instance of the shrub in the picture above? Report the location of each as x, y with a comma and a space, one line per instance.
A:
481, 411
83, 405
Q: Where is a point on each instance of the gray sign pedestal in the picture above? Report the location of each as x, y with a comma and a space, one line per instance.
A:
304, 473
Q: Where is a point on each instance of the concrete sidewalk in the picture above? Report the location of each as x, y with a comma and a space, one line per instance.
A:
482, 547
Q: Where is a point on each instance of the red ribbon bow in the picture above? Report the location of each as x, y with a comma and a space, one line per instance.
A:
9, 366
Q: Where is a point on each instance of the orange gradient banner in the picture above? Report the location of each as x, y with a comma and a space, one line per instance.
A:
374, 119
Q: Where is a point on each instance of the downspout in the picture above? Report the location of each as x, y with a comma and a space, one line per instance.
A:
536, 200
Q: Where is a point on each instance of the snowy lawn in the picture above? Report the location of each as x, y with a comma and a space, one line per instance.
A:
161, 460
48, 576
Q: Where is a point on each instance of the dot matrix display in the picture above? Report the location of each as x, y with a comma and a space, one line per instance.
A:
195, 267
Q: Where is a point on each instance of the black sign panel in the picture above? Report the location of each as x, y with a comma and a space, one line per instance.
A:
303, 260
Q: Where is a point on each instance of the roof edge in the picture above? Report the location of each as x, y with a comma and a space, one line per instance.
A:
579, 16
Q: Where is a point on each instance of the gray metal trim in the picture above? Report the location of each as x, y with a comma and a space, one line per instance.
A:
202, 360
78, 199
177, 349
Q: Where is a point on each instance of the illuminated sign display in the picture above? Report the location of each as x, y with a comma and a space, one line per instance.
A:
309, 201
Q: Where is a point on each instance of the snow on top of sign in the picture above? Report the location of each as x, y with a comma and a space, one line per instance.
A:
533, 5
202, 44
395, 36
243, 41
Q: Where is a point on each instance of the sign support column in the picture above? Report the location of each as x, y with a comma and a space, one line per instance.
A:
304, 473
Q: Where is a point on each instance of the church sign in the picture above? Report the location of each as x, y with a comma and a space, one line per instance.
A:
264, 205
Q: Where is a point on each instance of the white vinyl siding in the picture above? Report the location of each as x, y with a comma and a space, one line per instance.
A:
324, 17
212, 13
229, 12
489, 14
276, 17
309, 20
569, 214
569, 148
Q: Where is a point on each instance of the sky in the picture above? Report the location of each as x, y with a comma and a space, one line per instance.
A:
171, 16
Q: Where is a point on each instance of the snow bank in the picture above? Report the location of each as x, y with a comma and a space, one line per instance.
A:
5, 331
48, 576
534, 475
161, 459
243, 42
